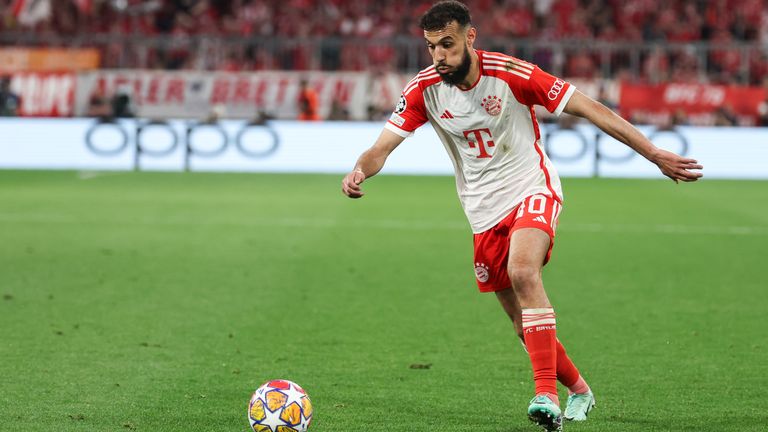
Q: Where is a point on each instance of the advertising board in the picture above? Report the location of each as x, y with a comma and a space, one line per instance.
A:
333, 147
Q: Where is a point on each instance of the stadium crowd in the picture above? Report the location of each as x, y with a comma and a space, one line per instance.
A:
259, 26
630, 20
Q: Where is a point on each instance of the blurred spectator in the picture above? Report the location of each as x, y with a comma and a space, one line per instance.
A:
580, 65
724, 116
679, 118
10, 102
604, 98
762, 109
307, 102
376, 113
261, 118
656, 66
338, 112
99, 105
122, 106
217, 113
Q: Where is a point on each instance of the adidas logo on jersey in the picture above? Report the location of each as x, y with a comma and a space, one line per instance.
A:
446, 115
540, 219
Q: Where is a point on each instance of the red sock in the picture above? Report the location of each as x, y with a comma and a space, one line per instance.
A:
567, 373
579, 387
539, 332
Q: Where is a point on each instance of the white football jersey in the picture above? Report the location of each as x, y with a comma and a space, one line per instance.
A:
489, 131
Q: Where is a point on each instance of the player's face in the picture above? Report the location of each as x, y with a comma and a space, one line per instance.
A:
449, 48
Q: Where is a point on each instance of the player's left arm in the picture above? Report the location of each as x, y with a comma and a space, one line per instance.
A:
671, 165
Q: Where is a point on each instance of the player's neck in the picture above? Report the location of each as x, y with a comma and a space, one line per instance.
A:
474, 72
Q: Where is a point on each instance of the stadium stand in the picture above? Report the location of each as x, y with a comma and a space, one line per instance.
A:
708, 58
718, 41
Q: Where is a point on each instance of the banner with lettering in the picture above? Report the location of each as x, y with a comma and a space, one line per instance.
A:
695, 104
274, 94
22, 59
45, 94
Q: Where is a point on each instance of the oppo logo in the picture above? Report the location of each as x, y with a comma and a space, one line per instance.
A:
251, 140
557, 87
572, 145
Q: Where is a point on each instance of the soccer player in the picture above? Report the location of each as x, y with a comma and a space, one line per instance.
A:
481, 106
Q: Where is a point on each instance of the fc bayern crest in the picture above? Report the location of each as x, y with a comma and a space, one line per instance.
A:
481, 272
492, 105
401, 105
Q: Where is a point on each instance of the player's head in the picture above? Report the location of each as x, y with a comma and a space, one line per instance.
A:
449, 33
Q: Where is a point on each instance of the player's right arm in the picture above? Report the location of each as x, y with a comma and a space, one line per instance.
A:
370, 163
409, 114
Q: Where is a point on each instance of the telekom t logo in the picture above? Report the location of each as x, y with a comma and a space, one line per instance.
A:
478, 137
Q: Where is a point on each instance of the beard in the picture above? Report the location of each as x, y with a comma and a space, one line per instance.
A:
462, 70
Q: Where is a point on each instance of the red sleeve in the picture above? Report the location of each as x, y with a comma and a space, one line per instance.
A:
410, 112
543, 89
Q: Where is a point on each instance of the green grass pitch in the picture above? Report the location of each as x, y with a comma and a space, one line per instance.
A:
159, 302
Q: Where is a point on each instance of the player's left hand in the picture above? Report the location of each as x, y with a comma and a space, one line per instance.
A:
677, 167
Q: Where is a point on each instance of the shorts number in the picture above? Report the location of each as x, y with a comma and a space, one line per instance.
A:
537, 204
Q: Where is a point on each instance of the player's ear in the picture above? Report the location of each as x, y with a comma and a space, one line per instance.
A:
471, 35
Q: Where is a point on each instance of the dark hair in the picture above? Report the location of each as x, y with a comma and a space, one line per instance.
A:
442, 13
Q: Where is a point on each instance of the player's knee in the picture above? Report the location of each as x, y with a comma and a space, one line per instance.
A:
524, 279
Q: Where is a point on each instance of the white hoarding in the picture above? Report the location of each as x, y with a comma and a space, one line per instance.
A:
333, 147
243, 95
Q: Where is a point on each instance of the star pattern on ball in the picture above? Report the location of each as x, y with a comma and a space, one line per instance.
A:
261, 393
273, 420
293, 394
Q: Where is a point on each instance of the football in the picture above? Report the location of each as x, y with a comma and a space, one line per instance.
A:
280, 406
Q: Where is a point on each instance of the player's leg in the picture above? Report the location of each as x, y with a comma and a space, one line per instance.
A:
567, 373
531, 244
527, 253
501, 254
491, 259
509, 303
580, 398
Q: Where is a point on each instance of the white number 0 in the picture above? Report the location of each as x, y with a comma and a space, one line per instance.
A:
536, 204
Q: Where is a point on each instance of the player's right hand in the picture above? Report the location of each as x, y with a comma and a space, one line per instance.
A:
351, 184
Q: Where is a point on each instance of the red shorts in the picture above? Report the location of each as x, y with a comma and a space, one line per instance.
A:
492, 246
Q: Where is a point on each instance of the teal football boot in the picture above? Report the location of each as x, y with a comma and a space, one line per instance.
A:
579, 405
545, 413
